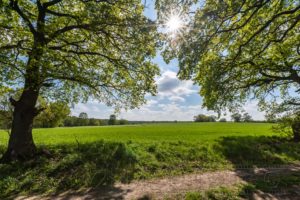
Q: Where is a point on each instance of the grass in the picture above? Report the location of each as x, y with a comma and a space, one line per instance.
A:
99, 156
278, 186
221, 193
187, 132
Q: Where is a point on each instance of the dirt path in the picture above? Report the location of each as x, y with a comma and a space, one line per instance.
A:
166, 187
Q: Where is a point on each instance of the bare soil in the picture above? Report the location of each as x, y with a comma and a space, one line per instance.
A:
172, 186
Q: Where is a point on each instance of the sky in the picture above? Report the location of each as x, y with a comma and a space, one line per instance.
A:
175, 100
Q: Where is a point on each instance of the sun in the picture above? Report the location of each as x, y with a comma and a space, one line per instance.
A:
174, 23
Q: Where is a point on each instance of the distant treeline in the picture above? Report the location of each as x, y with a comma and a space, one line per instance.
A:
236, 117
57, 114
78, 121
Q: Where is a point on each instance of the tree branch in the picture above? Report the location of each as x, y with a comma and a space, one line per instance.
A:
51, 3
69, 28
14, 5
13, 102
264, 27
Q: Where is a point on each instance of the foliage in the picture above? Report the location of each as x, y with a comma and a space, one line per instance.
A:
236, 117
285, 123
83, 115
240, 49
246, 117
71, 51
222, 120
5, 111
94, 122
112, 120
204, 118
85, 49
53, 115
78, 121
123, 121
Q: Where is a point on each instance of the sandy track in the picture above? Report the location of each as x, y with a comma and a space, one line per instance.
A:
166, 187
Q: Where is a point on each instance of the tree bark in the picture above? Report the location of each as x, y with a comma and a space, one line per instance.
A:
296, 131
21, 145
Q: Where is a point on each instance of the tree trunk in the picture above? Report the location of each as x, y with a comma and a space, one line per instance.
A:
21, 145
296, 131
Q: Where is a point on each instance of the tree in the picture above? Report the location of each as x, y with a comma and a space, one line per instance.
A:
222, 120
246, 117
200, 118
212, 118
70, 121
112, 120
238, 49
284, 124
204, 118
53, 115
236, 117
5, 112
123, 122
72, 51
83, 115
94, 122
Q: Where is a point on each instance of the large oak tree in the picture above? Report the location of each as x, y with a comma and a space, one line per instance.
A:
72, 51
236, 49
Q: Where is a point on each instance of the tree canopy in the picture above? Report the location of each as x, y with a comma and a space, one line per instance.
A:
83, 48
112, 120
83, 115
238, 49
204, 118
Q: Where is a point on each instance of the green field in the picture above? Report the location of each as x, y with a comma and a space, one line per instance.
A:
148, 133
86, 157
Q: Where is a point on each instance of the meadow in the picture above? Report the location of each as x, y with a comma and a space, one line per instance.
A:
147, 133
84, 157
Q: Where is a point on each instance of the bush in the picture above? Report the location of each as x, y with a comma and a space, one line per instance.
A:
204, 118
222, 120
123, 122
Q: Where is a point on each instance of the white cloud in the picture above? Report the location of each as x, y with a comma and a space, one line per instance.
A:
158, 110
171, 103
170, 87
177, 99
252, 108
151, 103
164, 112
174, 111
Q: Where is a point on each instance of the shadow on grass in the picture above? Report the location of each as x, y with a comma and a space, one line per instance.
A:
269, 165
99, 165
71, 167
263, 151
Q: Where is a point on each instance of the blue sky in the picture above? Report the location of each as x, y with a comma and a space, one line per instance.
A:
175, 100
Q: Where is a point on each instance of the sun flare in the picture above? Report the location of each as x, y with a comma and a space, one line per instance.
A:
174, 23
